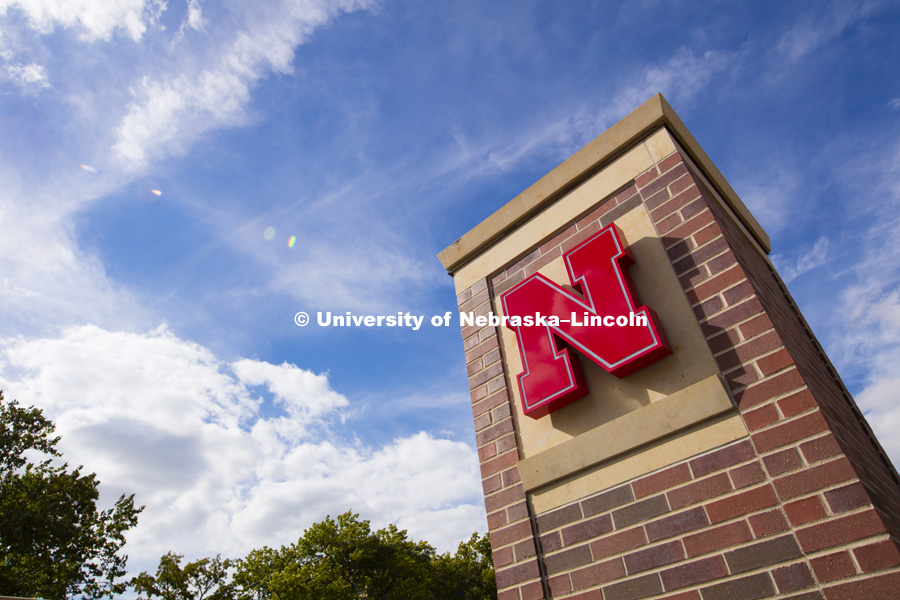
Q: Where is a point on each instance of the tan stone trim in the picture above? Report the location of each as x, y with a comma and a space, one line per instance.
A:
651, 115
701, 401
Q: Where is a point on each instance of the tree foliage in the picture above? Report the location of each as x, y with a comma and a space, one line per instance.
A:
341, 559
54, 543
204, 579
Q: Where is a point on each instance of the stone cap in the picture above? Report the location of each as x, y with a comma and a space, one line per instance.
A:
650, 116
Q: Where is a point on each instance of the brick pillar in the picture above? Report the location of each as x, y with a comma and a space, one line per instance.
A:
799, 502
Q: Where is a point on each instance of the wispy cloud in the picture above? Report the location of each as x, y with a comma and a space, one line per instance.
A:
823, 26
792, 267
170, 112
94, 20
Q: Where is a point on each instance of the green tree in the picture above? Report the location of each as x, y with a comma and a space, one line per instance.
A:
343, 559
54, 543
204, 579
469, 574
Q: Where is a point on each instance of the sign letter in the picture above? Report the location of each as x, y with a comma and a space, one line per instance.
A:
598, 271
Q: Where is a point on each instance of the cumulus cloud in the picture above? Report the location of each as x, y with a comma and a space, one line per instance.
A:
218, 469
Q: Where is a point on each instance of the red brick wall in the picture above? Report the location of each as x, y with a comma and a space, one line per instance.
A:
807, 507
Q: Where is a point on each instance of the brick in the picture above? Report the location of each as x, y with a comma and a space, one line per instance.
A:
720, 263
797, 403
793, 577
761, 417
495, 465
590, 528
708, 308
504, 498
491, 484
485, 375
830, 567
555, 241
847, 498
492, 433
626, 193
651, 558
746, 352
689, 227
559, 517
693, 573
745, 588
518, 511
524, 260
511, 476
768, 523
717, 538
679, 185
618, 542
559, 585
883, 586
814, 595
598, 574
646, 177
668, 223
877, 556
805, 510
551, 542
717, 284
700, 256
746, 475
722, 459
512, 594
486, 452
506, 442
543, 261
782, 462
632, 589
663, 181
790, 431
820, 448
508, 535
706, 234
502, 557
516, 574
694, 208
840, 531
774, 362
524, 549
688, 595
741, 504
661, 481
677, 524
768, 388
669, 162
589, 595
755, 326
532, 591
814, 478
699, 491
490, 402
482, 348
640, 511
594, 216
567, 559
762, 554
724, 340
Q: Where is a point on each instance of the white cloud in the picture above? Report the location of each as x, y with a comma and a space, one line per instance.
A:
815, 257
31, 76
166, 419
95, 19
170, 112
823, 26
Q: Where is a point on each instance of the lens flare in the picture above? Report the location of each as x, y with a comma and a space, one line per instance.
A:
269, 233
89, 169
156, 192
292, 241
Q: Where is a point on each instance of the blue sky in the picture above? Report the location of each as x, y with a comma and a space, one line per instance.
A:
157, 329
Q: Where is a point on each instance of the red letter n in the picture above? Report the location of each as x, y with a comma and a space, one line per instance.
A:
597, 270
